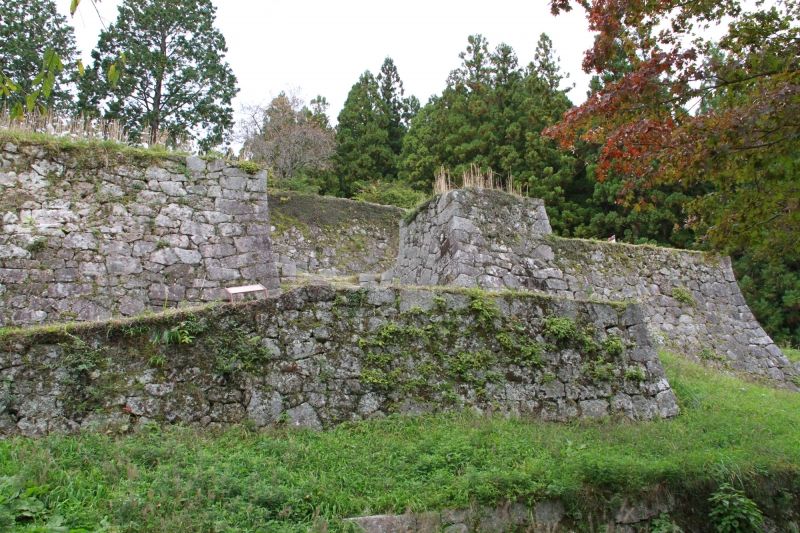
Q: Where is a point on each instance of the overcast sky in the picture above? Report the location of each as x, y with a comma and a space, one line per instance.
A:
315, 47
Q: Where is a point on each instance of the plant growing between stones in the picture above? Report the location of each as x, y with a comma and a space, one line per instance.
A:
707, 354
664, 524
250, 167
560, 328
683, 296
733, 512
36, 245
182, 333
634, 373
81, 360
236, 348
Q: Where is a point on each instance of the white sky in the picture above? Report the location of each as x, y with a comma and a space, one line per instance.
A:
312, 47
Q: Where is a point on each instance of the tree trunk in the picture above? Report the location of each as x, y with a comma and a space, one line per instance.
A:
155, 123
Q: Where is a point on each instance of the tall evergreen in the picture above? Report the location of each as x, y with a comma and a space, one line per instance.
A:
175, 79
371, 128
491, 114
392, 94
363, 147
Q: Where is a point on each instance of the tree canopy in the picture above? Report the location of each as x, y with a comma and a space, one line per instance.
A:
370, 130
174, 78
290, 138
37, 55
491, 114
711, 121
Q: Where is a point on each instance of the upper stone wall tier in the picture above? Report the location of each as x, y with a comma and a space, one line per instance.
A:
90, 232
690, 300
318, 355
432, 241
332, 236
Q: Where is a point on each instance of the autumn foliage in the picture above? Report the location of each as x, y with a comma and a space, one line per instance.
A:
687, 109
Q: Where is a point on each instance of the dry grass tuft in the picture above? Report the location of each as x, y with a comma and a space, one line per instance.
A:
475, 178
73, 127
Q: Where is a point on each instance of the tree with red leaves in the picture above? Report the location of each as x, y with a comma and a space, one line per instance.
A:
704, 96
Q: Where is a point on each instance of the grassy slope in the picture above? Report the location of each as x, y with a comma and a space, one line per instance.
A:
793, 354
182, 480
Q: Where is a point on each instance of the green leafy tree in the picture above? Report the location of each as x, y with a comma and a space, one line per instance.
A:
37, 56
174, 78
711, 118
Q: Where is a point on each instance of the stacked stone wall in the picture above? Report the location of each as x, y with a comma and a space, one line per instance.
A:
691, 300
317, 356
90, 232
331, 236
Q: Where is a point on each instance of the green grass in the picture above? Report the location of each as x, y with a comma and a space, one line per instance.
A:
792, 354
179, 479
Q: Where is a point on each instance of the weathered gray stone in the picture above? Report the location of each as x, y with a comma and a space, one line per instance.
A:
493, 240
195, 164
304, 416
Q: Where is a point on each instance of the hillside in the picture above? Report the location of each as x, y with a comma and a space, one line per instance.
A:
180, 479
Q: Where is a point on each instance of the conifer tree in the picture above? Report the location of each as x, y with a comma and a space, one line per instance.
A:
174, 79
363, 147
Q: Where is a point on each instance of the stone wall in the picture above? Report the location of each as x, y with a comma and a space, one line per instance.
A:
319, 355
91, 231
333, 236
493, 240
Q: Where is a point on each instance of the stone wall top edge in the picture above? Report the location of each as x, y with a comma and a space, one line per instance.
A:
140, 155
60, 331
334, 200
700, 254
508, 293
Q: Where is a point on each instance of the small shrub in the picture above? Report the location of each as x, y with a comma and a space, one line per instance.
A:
634, 373
36, 245
251, 167
613, 346
378, 379
484, 308
664, 524
560, 328
707, 354
237, 348
182, 333
733, 512
599, 370
157, 360
683, 296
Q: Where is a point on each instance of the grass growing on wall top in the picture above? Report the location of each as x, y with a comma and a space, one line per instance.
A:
181, 479
53, 143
